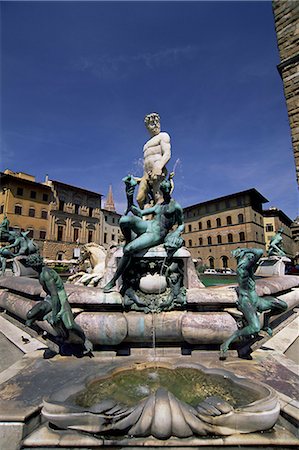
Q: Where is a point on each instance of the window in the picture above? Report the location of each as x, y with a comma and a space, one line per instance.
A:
18, 210
224, 262
106, 219
1, 209
32, 194
90, 211
113, 237
209, 240
217, 206
105, 238
269, 227
113, 220
219, 239
20, 191
76, 234
199, 225
45, 197
256, 236
90, 235
240, 201
31, 232
77, 207
59, 256
59, 233
240, 218
229, 220
31, 212
189, 227
200, 241
61, 205
44, 214
218, 222
42, 234
227, 203
242, 236
208, 224
211, 263
190, 242
230, 238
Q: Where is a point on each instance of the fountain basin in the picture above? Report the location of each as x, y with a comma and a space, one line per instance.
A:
203, 402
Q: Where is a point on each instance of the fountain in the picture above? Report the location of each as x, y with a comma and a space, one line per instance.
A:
145, 300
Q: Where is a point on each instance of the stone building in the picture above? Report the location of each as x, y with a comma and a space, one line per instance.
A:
214, 228
274, 219
59, 216
286, 15
110, 229
26, 203
74, 219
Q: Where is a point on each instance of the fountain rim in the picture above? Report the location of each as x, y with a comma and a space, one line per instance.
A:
266, 393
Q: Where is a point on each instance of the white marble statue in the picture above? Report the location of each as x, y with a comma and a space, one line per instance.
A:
156, 154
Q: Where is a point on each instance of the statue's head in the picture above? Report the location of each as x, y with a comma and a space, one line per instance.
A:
152, 123
166, 187
35, 261
280, 230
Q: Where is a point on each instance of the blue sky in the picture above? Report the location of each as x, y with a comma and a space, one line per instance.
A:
78, 78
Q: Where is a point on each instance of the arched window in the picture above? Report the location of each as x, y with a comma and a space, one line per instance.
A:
208, 224
230, 238
59, 256
229, 220
218, 222
190, 242
42, 234
209, 240
44, 214
199, 225
200, 241
18, 210
224, 261
242, 236
211, 262
31, 233
189, 227
240, 218
219, 239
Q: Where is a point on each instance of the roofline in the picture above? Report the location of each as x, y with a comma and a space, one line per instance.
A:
23, 180
109, 211
279, 213
248, 191
76, 188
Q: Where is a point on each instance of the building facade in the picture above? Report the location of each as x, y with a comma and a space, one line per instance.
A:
286, 15
274, 219
26, 204
75, 218
216, 227
60, 217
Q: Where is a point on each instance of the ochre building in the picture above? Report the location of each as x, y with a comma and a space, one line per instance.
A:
214, 228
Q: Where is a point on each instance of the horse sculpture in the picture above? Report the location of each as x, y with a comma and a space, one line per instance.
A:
96, 254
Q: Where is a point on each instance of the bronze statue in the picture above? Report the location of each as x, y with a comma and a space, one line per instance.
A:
55, 308
275, 245
249, 303
149, 233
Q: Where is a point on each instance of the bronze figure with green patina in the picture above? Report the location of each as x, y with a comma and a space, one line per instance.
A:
55, 308
276, 244
249, 303
149, 233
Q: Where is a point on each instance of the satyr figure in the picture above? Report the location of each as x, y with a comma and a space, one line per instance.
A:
156, 154
23, 244
275, 245
55, 308
149, 233
249, 303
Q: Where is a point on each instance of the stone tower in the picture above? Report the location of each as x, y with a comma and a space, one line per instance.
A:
109, 204
286, 15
